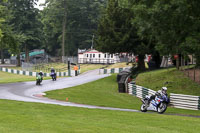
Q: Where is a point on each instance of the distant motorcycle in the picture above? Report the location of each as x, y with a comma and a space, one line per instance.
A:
53, 76
159, 104
38, 80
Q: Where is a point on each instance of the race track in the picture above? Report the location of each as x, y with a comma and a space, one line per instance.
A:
29, 92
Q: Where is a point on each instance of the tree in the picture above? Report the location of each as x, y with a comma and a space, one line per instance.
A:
25, 23
5, 28
171, 23
81, 23
116, 32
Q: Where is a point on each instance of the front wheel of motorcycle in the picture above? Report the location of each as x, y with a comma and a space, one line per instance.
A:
143, 108
162, 108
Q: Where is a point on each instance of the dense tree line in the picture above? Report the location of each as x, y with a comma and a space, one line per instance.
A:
165, 27
61, 28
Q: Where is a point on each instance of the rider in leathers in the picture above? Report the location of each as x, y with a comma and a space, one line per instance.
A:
161, 92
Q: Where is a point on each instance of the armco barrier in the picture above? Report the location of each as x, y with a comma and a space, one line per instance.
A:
28, 73
176, 100
185, 101
139, 91
112, 70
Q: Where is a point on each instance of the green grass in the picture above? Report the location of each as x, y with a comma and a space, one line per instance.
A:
20, 117
87, 67
61, 67
104, 92
12, 78
178, 82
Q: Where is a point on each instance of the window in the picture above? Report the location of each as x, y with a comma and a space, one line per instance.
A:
99, 55
93, 55
87, 55
104, 55
111, 55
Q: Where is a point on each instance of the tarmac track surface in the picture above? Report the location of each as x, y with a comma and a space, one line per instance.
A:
29, 92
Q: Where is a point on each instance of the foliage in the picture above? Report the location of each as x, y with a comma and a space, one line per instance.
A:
81, 22
26, 26
172, 23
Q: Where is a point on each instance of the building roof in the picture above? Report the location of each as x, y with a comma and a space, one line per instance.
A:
89, 51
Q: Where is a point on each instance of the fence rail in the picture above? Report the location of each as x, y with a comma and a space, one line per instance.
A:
185, 101
96, 61
112, 70
29, 73
176, 100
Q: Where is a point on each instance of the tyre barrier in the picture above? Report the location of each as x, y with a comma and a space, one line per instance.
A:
181, 101
29, 73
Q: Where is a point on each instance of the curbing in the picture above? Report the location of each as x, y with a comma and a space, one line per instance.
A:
112, 70
28, 73
176, 100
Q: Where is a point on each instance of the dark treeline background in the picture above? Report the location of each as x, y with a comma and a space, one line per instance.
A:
159, 28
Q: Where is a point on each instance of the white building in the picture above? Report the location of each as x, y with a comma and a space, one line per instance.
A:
93, 56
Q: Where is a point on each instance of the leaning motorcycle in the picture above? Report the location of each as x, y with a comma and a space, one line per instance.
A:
53, 76
159, 104
38, 80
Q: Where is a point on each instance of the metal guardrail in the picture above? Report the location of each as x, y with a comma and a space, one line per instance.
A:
139, 91
176, 100
185, 101
112, 70
29, 73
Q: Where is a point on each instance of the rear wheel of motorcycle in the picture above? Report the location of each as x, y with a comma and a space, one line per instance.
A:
142, 108
162, 108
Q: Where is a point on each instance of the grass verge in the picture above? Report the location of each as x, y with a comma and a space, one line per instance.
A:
13, 78
20, 117
61, 67
178, 82
104, 92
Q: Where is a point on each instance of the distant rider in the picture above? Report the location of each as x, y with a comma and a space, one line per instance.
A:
161, 92
53, 71
41, 74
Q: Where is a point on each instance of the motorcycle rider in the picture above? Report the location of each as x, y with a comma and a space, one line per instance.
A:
161, 92
53, 71
41, 74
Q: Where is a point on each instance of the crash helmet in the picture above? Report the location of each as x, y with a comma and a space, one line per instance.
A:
164, 90
40, 71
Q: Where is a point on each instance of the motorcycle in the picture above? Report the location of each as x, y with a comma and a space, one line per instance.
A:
38, 80
159, 104
53, 76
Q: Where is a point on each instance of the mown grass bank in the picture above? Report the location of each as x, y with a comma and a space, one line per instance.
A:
20, 117
61, 67
104, 92
178, 82
12, 78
